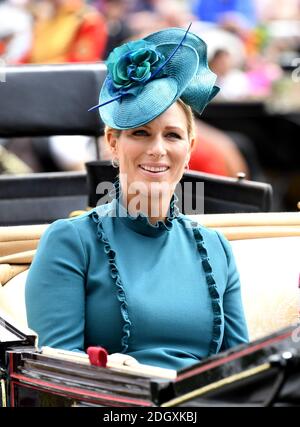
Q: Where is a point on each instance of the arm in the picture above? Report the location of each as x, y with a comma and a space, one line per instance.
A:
235, 327
55, 288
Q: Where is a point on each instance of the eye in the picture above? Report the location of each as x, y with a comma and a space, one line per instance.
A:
174, 135
140, 132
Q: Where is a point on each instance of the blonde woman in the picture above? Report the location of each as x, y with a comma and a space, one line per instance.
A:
135, 276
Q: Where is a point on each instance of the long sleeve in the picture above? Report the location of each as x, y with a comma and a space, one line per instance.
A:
235, 327
55, 288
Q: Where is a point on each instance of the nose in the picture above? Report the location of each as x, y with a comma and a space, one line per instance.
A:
157, 147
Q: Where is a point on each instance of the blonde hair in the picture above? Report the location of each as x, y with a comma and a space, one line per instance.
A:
191, 127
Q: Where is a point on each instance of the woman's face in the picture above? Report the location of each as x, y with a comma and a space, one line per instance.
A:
154, 153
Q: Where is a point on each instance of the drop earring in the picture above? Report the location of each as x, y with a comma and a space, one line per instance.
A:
115, 162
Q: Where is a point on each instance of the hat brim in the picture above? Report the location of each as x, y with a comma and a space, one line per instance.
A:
201, 89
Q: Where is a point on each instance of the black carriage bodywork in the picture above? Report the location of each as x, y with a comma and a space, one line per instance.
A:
265, 372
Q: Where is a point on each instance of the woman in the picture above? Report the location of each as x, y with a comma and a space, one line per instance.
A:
134, 275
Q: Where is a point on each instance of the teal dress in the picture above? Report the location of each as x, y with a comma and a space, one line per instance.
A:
167, 294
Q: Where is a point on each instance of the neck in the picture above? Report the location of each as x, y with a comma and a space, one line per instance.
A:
154, 208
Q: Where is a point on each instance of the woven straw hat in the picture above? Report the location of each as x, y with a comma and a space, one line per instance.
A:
145, 77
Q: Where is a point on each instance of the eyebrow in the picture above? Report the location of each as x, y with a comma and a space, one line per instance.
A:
167, 127
175, 127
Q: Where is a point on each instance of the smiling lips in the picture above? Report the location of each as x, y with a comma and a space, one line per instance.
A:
154, 169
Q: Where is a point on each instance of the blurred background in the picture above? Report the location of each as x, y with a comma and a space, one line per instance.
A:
253, 125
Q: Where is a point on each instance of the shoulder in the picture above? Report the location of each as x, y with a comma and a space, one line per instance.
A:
210, 235
81, 222
65, 225
212, 239
68, 232
85, 227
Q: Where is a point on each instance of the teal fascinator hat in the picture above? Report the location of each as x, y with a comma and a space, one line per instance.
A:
145, 77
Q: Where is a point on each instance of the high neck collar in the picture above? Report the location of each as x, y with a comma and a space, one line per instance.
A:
140, 223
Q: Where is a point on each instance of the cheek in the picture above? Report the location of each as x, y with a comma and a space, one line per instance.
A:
181, 155
129, 154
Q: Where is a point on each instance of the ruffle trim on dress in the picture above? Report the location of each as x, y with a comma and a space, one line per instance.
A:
140, 222
117, 279
159, 225
212, 288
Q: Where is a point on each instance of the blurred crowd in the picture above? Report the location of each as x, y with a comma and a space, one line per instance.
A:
252, 44
249, 41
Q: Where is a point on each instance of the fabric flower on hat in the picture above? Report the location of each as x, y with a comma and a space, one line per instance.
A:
131, 65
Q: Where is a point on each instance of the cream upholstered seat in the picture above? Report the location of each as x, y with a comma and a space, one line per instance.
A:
266, 248
17, 247
269, 271
12, 299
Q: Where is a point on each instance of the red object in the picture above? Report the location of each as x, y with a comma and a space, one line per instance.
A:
207, 157
97, 356
90, 41
83, 38
2, 47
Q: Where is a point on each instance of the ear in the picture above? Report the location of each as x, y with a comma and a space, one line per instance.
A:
112, 140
